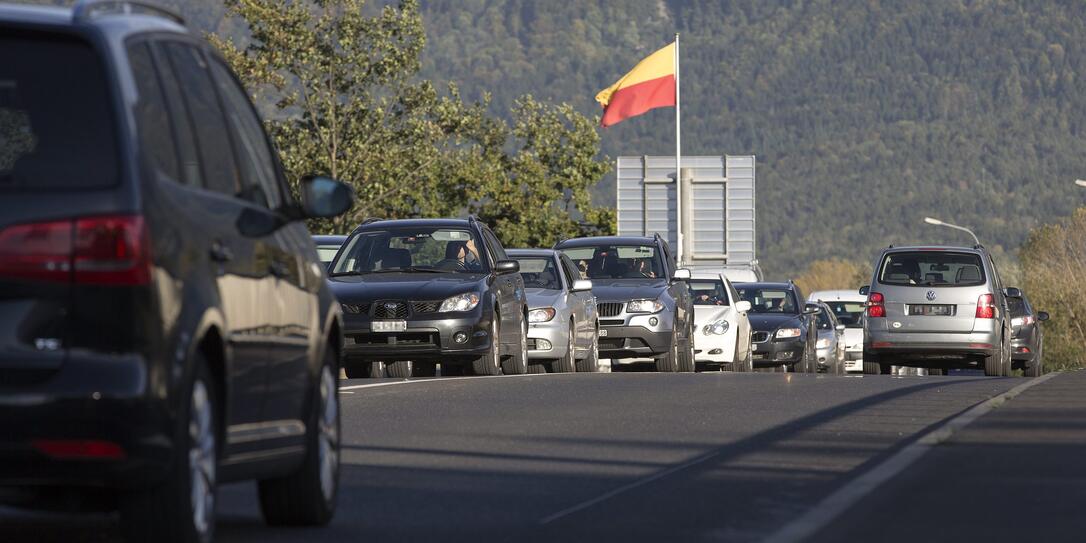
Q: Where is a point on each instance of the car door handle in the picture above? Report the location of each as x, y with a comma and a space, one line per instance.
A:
220, 252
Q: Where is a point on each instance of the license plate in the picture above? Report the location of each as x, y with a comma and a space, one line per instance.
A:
388, 326
603, 332
931, 310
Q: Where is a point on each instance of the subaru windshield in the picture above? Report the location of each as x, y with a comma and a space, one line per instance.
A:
410, 250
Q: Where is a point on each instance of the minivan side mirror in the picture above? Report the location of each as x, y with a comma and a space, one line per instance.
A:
503, 267
681, 274
324, 197
742, 306
1012, 292
581, 285
865, 289
1042, 316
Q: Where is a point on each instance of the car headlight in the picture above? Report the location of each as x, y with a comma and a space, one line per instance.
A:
644, 306
460, 302
719, 328
788, 332
822, 343
542, 314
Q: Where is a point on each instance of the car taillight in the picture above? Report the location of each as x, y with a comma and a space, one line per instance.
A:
108, 250
875, 305
986, 306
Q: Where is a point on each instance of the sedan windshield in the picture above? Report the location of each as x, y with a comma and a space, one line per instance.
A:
769, 300
708, 292
617, 262
848, 313
412, 250
539, 273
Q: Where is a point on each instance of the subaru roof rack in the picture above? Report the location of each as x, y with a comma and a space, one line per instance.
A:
85, 10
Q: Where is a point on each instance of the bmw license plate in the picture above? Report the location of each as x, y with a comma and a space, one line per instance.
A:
388, 326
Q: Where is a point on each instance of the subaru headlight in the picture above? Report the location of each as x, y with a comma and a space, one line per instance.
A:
644, 306
822, 343
542, 314
460, 302
788, 332
719, 328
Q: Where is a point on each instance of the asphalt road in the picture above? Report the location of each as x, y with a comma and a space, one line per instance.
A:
645, 457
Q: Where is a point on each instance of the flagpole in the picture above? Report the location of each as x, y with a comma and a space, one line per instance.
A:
678, 165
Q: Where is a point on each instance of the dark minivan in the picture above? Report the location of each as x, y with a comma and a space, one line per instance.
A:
165, 325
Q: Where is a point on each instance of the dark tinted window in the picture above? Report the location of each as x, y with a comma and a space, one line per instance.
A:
259, 181
184, 135
56, 117
216, 153
932, 268
156, 139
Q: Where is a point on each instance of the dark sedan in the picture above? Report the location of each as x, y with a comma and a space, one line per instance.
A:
782, 328
1027, 339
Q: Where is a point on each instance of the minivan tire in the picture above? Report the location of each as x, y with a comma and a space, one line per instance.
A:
307, 497
166, 512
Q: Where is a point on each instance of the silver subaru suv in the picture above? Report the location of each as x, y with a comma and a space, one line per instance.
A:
937, 308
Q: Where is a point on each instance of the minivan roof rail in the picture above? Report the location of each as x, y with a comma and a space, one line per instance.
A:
85, 10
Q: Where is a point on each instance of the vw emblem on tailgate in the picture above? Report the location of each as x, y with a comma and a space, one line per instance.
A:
931, 295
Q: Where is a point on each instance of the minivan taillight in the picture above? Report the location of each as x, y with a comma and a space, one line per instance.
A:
986, 306
107, 250
876, 307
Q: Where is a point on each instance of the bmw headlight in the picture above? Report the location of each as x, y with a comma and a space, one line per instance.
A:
719, 328
822, 343
644, 306
542, 314
788, 332
460, 302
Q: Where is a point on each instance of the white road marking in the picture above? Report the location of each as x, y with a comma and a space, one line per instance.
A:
836, 504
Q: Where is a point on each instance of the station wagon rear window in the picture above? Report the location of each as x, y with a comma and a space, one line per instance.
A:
56, 121
932, 269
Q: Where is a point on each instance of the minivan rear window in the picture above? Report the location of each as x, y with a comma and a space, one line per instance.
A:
56, 120
932, 269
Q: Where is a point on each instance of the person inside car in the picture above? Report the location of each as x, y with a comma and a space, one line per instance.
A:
463, 255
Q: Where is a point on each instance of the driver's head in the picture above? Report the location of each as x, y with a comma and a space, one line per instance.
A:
456, 250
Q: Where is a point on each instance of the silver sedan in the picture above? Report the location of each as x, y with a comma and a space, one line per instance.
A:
563, 331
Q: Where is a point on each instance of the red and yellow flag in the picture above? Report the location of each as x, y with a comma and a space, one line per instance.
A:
651, 84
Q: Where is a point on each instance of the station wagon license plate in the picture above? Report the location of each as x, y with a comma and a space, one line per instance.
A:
931, 310
388, 326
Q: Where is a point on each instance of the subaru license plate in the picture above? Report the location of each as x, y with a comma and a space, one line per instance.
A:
388, 326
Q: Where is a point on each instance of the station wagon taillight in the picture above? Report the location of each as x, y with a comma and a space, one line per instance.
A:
876, 307
106, 250
986, 306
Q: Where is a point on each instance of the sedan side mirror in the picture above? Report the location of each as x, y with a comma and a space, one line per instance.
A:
865, 289
1042, 316
504, 267
581, 285
681, 274
324, 197
1012, 292
742, 306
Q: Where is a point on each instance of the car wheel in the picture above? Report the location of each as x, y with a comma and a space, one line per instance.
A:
517, 363
871, 364
591, 362
490, 363
568, 363
686, 356
182, 509
747, 365
424, 369
307, 497
1008, 362
993, 364
936, 371
537, 368
1036, 367
401, 369
669, 361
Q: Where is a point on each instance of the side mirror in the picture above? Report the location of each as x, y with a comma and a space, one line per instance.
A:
865, 289
811, 309
581, 285
1042, 316
742, 306
681, 274
324, 197
840, 328
1012, 292
504, 267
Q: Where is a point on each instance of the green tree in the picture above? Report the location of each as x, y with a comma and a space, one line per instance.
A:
1053, 272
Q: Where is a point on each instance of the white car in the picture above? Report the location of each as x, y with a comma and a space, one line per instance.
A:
848, 307
721, 328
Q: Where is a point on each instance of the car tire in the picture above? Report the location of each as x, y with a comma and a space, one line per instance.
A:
1036, 367
401, 369
993, 364
307, 497
747, 365
568, 363
490, 363
1008, 362
181, 509
686, 356
517, 363
537, 368
936, 371
669, 361
871, 364
591, 362
424, 369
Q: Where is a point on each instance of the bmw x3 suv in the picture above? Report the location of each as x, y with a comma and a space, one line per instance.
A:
644, 308
937, 308
418, 292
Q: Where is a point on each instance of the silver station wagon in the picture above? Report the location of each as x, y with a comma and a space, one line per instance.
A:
937, 308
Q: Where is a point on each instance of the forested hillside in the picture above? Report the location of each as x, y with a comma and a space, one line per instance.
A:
865, 115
